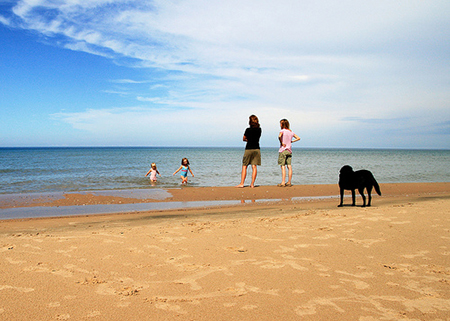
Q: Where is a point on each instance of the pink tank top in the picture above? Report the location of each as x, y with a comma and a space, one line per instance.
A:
287, 140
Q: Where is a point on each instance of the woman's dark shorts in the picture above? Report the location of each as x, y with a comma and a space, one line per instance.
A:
251, 157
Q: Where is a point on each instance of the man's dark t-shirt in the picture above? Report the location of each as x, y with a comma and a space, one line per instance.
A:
253, 134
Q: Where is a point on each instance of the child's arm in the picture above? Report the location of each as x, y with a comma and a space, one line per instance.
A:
191, 171
177, 170
296, 138
158, 173
148, 172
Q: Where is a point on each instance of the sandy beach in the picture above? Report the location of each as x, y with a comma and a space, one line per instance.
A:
295, 256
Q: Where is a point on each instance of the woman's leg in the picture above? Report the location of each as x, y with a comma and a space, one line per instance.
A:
243, 176
289, 174
283, 175
254, 173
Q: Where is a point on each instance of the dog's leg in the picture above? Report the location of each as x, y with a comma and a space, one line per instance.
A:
369, 195
342, 198
353, 198
361, 191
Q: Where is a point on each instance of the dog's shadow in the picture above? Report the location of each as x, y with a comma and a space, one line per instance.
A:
350, 205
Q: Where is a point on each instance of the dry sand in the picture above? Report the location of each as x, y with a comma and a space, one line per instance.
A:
284, 260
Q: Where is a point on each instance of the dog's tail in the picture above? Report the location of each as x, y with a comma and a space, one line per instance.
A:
376, 186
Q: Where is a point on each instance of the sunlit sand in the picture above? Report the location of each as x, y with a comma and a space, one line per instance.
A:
292, 258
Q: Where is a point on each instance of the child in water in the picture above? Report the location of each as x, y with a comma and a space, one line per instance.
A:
184, 170
153, 171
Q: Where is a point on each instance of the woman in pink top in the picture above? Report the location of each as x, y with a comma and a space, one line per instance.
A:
286, 138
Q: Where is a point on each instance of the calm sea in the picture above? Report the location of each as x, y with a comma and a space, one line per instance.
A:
30, 170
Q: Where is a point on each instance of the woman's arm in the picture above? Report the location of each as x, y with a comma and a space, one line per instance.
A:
280, 138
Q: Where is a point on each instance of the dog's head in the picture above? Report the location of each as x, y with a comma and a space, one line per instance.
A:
347, 169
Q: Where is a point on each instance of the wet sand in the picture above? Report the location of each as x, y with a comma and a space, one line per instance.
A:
296, 257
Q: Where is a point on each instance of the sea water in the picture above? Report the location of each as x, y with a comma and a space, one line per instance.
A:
42, 170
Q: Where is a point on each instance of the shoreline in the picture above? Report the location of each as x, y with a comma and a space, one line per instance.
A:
73, 204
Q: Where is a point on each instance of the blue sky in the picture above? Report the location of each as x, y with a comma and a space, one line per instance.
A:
350, 74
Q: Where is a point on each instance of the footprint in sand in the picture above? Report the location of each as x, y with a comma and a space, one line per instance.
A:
365, 243
236, 249
303, 246
362, 275
124, 304
275, 264
6, 248
311, 307
360, 285
11, 261
168, 239
169, 307
325, 237
112, 241
244, 288
105, 289
428, 304
412, 256
155, 247
285, 249
32, 247
174, 260
192, 280
19, 289
93, 314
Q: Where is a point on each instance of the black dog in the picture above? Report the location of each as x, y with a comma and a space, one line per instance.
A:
363, 179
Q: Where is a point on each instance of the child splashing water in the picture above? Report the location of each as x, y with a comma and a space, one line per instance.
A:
153, 171
184, 168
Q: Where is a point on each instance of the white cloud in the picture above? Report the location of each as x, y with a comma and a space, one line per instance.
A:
317, 62
4, 21
129, 81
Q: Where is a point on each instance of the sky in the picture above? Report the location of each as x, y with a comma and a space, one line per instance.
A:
346, 74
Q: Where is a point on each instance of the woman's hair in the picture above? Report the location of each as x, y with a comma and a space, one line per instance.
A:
182, 161
253, 121
284, 123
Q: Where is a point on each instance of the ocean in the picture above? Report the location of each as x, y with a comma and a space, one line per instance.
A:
43, 170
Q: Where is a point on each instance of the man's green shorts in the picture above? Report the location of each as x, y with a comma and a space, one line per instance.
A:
251, 157
285, 158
